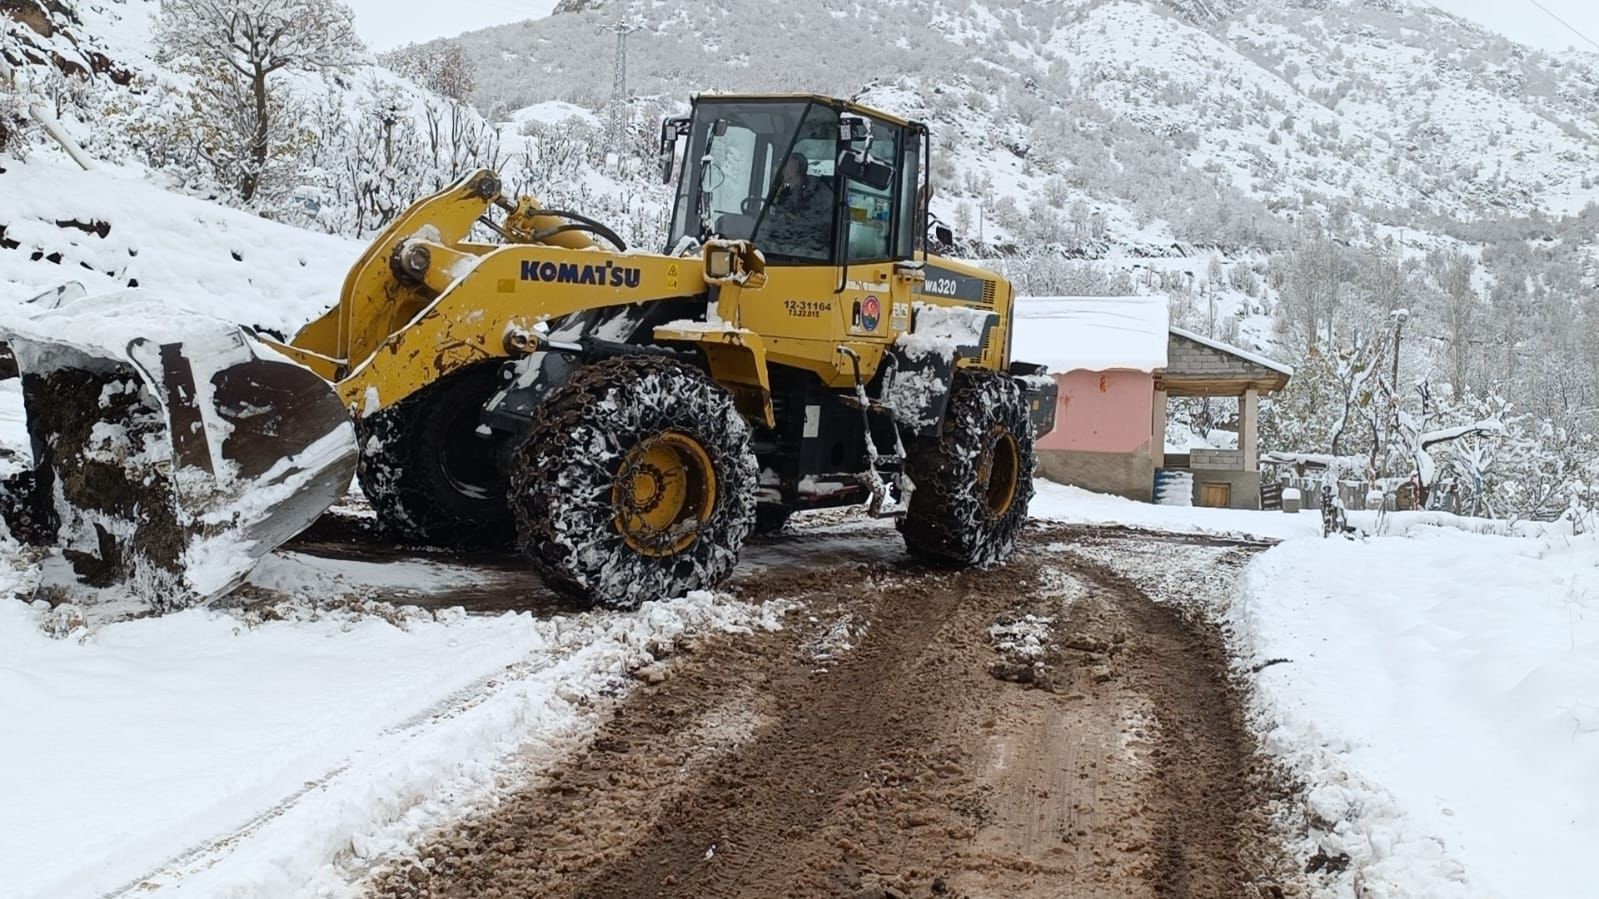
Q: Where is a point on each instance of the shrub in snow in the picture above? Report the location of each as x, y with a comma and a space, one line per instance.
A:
237, 52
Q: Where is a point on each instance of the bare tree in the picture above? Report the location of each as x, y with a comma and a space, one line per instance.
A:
1313, 286
441, 68
247, 42
1416, 437
1460, 317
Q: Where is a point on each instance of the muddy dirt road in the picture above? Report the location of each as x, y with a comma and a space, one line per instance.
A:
1047, 729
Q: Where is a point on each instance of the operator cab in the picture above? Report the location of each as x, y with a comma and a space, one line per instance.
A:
809, 180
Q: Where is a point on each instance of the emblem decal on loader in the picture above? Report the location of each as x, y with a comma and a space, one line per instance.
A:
871, 313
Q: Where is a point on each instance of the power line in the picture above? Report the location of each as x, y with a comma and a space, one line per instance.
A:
1546, 11
1569, 27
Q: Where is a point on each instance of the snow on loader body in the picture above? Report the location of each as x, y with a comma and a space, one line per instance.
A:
628, 418
174, 460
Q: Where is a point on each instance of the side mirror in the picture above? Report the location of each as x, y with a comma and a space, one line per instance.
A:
672, 127
867, 169
943, 235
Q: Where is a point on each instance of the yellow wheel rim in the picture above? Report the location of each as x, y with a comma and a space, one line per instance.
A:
664, 490
999, 472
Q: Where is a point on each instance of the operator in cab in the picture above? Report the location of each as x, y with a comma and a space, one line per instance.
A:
801, 212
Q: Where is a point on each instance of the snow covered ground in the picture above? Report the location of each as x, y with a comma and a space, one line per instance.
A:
13, 421
1436, 688
271, 753
1439, 699
1441, 691
111, 229
1075, 505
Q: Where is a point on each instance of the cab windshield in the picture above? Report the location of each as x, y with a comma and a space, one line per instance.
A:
761, 171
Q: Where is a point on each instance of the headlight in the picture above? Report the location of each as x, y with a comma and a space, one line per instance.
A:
718, 263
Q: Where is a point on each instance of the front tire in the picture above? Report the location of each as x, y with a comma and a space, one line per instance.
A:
974, 480
431, 478
636, 483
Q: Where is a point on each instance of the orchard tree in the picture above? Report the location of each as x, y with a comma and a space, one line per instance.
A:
441, 68
234, 48
1461, 306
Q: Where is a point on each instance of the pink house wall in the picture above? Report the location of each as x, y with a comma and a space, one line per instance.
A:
1102, 412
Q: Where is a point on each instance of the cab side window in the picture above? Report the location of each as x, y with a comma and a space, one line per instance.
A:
870, 212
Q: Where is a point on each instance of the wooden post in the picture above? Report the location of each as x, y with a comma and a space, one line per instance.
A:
1249, 429
1157, 427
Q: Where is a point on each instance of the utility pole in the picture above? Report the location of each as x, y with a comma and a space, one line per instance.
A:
1403, 313
616, 131
1399, 329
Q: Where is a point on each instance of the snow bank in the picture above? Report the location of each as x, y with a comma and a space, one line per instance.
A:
207, 754
554, 112
114, 232
1441, 699
1092, 333
1074, 505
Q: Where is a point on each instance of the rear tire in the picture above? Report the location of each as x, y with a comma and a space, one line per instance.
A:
636, 483
973, 481
430, 477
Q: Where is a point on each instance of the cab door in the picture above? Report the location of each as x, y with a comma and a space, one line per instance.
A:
879, 225
861, 293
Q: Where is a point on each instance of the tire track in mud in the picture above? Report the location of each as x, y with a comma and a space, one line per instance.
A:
506, 581
901, 766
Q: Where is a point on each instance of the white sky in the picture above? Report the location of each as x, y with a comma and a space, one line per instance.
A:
386, 24
1523, 21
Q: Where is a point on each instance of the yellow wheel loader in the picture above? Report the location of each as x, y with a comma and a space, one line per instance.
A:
627, 419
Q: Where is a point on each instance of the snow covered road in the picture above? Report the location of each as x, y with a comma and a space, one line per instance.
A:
1434, 692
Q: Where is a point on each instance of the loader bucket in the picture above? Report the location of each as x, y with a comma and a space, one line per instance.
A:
172, 461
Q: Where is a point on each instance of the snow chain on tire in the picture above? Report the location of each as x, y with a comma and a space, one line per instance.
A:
429, 478
973, 482
636, 482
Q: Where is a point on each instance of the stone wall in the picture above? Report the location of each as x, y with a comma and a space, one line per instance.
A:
1187, 358
1124, 474
1218, 459
1245, 486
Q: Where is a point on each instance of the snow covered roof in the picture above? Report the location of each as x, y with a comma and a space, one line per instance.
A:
1092, 333
1228, 348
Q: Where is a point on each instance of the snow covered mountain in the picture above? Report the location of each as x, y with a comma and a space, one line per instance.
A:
1288, 173
1392, 109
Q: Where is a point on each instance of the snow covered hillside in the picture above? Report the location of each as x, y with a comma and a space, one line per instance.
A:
112, 229
1391, 109
1214, 152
